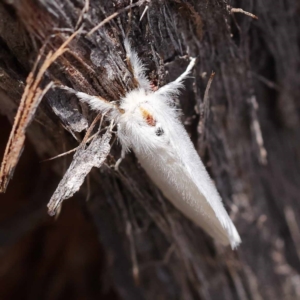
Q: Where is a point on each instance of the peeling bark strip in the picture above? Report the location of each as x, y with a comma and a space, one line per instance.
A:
83, 161
239, 10
30, 101
16, 140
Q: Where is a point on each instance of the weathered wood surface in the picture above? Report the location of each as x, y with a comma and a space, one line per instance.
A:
247, 134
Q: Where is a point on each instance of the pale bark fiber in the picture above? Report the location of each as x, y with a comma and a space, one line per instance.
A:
127, 241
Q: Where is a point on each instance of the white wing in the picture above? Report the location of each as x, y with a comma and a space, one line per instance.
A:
177, 170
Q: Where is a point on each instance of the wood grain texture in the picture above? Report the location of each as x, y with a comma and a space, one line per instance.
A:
139, 245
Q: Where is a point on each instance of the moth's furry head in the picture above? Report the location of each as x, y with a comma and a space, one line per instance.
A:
142, 123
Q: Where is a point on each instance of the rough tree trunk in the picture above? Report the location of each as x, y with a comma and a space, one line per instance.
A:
127, 241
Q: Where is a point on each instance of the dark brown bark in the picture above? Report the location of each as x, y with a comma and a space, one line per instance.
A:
127, 241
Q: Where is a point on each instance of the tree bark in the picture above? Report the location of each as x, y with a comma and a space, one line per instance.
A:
127, 241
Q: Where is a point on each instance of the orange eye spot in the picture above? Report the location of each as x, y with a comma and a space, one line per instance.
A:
148, 117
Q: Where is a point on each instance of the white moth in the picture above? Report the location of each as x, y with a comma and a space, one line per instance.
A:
148, 123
